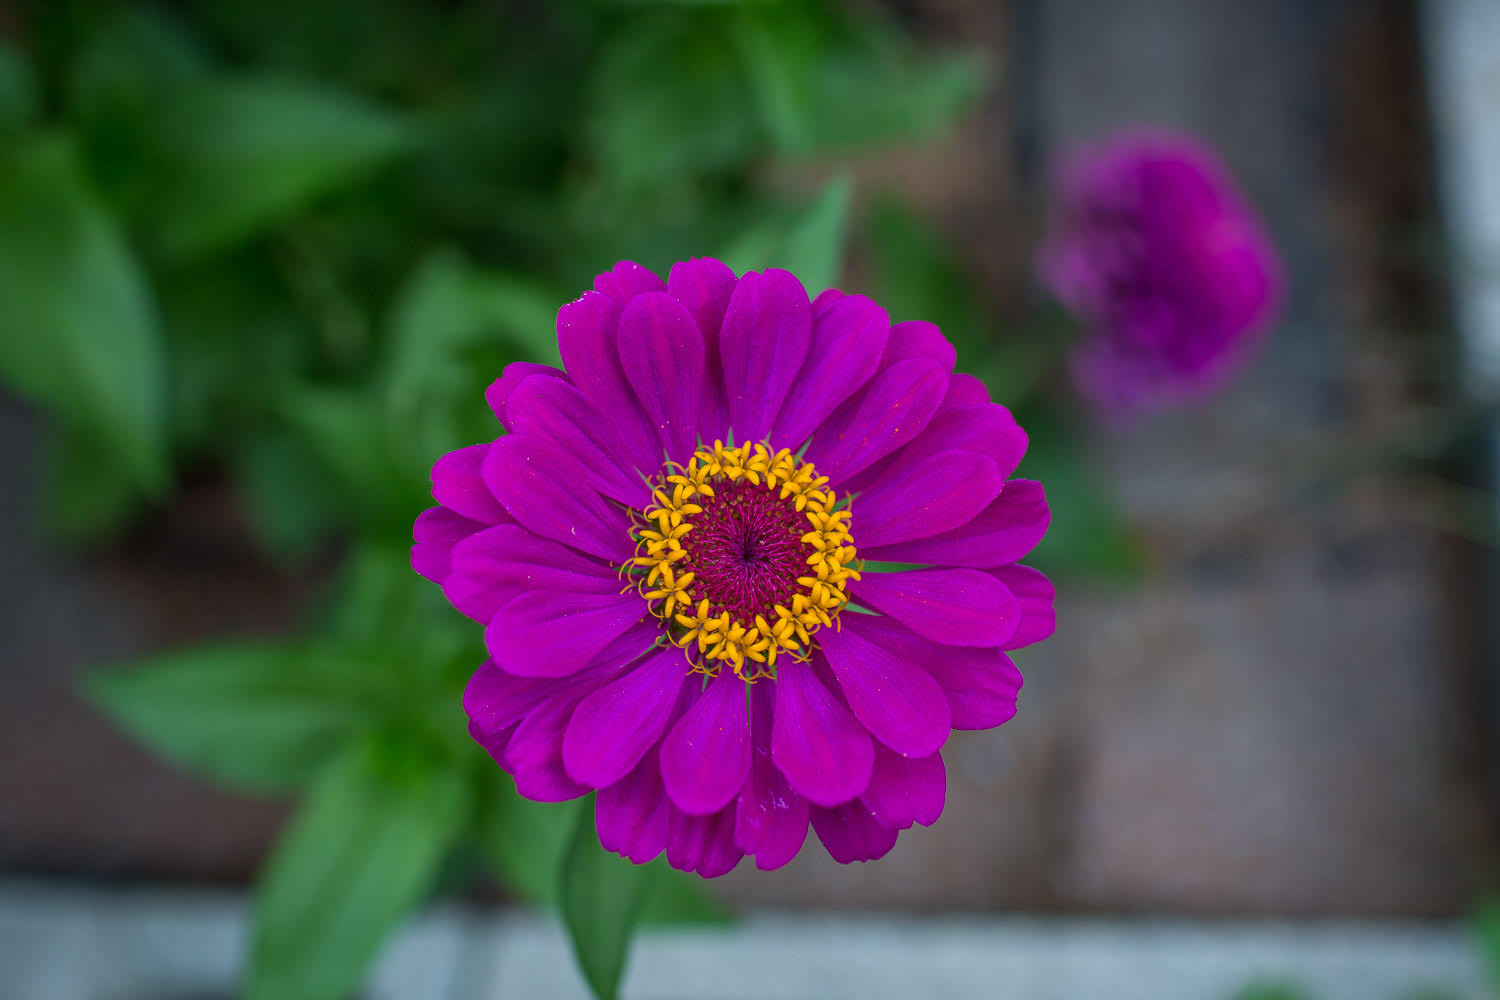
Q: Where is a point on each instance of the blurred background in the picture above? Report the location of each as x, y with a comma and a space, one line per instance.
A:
258, 261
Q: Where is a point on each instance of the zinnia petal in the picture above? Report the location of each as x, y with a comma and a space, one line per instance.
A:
1002, 533
822, 749
615, 726
767, 328
494, 566
458, 485
706, 755
849, 334
958, 607
770, 819
704, 286
851, 833
893, 409
539, 484
895, 699
1035, 594
906, 790
434, 534
662, 353
631, 814
941, 492
549, 633
555, 410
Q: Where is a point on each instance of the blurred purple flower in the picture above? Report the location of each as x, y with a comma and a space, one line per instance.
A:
1156, 252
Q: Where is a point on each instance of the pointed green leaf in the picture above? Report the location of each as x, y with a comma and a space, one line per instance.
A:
1087, 536
78, 328
20, 96
524, 841
342, 428
86, 494
680, 898
602, 895
810, 245
453, 327
243, 154
258, 716
358, 857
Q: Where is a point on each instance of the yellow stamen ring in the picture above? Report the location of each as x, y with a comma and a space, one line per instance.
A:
749, 638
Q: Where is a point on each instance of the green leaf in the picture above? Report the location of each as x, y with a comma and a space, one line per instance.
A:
524, 841
1086, 537
1271, 991
257, 716
86, 495
342, 427
668, 100
79, 333
1486, 922
289, 499
602, 896
827, 79
453, 327
359, 856
20, 95
810, 245
679, 898
239, 155
919, 276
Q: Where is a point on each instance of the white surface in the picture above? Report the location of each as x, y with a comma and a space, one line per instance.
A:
76, 943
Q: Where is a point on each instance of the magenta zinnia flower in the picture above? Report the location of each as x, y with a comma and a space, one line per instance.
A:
742, 565
1159, 256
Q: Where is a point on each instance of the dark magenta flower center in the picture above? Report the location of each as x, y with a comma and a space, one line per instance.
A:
746, 550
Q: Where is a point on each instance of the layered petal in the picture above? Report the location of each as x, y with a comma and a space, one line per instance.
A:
941, 492
546, 490
626, 280
434, 534
906, 790
705, 758
662, 352
551, 633
557, 411
458, 485
980, 685
534, 752
1035, 594
894, 408
918, 338
957, 607
1006, 530
891, 696
964, 390
988, 429
631, 814
702, 844
704, 286
852, 834
615, 726
493, 566
496, 700
762, 344
587, 340
849, 334
816, 742
499, 392
770, 819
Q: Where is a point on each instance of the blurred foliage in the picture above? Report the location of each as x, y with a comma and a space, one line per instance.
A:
291, 242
